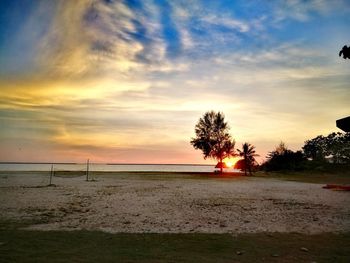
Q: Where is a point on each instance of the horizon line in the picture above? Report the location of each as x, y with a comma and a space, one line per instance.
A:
184, 164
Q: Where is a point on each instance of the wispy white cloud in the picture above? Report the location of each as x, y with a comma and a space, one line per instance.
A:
227, 22
303, 10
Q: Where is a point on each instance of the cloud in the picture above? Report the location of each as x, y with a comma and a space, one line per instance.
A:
125, 77
228, 22
303, 10
21, 33
83, 39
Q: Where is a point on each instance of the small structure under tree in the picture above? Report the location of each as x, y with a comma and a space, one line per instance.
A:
219, 166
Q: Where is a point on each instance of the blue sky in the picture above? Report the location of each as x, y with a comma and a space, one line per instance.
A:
126, 81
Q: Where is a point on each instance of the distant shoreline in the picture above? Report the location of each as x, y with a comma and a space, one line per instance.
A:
37, 163
185, 164
113, 167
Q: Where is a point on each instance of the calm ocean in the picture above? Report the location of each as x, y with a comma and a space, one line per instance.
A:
108, 167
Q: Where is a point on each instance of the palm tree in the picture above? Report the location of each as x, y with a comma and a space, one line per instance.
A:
248, 154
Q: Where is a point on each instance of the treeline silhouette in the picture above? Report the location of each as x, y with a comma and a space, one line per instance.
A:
324, 153
213, 138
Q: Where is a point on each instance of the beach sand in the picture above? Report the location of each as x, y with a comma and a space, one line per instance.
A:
173, 204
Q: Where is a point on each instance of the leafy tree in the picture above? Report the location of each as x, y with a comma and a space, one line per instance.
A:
336, 146
284, 159
279, 150
213, 138
316, 148
345, 150
248, 153
240, 164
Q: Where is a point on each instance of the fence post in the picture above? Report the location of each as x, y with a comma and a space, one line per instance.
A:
87, 170
51, 174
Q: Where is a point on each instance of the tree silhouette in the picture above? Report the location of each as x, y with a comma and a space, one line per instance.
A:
279, 149
212, 137
240, 165
248, 154
283, 159
316, 148
335, 145
338, 147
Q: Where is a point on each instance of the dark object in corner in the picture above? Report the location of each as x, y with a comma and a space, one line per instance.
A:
345, 52
344, 124
337, 187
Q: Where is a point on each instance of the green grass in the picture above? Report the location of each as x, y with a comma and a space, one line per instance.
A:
17, 245
336, 177
309, 176
145, 175
164, 175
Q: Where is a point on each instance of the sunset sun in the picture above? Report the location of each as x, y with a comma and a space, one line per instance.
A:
230, 162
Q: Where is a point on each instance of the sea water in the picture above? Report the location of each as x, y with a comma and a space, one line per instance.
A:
98, 167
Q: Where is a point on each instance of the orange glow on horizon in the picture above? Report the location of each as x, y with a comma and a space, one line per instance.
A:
230, 162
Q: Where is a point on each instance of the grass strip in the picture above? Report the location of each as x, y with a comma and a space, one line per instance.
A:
18, 245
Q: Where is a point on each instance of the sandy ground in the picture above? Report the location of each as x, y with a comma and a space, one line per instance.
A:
136, 204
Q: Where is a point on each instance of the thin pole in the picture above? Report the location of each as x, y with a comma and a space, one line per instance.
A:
87, 170
51, 174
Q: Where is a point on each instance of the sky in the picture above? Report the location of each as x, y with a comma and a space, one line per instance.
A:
126, 81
